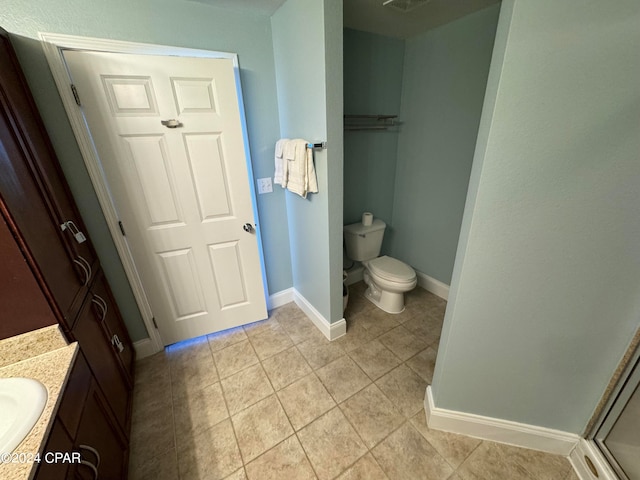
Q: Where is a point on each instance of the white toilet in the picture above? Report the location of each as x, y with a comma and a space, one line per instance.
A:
386, 277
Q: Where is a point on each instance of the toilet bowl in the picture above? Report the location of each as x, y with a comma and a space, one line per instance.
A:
387, 280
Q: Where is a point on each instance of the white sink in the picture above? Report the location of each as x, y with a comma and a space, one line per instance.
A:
21, 403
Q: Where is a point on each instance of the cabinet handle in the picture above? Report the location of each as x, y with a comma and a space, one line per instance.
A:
92, 467
81, 258
75, 231
104, 303
101, 306
87, 275
92, 450
117, 343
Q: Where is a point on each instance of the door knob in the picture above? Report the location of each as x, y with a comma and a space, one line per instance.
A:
247, 227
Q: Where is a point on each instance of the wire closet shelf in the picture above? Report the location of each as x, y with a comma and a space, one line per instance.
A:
370, 122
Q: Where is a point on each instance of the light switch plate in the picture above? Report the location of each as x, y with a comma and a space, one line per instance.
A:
265, 185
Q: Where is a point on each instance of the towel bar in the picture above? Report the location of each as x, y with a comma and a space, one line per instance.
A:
322, 145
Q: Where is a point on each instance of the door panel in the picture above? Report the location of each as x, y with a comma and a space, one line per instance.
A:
194, 95
181, 188
182, 283
205, 156
129, 95
225, 257
150, 179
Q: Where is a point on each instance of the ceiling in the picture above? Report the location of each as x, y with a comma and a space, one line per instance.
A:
261, 7
372, 16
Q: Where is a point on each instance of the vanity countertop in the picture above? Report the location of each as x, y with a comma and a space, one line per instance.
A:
43, 355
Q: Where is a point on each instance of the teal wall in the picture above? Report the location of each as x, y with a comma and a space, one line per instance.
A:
334, 51
177, 23
372, 85
545, 292
303, 52
415, 177
444, 79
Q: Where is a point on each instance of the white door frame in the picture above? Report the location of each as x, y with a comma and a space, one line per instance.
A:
54, 44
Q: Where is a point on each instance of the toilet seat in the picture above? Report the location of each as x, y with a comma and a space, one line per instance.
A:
391, 269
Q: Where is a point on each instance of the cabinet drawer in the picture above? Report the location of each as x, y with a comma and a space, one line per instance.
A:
96, 346
106, 309
99, 440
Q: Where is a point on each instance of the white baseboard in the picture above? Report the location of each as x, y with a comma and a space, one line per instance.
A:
144, 348
280, 298
586, 448
329, 330
432, 285
498, 430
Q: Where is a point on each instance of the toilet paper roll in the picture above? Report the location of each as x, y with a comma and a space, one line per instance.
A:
367, 219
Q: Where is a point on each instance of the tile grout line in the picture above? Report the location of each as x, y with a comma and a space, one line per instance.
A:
296, 344
224, 396
173, 416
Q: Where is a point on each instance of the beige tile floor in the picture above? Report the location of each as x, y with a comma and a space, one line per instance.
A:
276, 400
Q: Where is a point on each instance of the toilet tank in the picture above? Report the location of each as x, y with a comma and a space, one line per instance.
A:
364, 243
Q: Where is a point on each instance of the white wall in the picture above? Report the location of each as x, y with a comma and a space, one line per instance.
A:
545, 292
309, 96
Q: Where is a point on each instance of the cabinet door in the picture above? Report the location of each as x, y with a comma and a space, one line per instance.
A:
35, 192
23, 304
59, 441
105, 307
96, 346
99, 441
45, 162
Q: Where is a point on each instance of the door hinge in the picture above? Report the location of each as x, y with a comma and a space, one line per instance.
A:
153, 319
122, 228
74, 90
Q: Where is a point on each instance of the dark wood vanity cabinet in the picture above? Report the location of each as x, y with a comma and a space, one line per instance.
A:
35, 194
91, 330
20, 294
52, 272
85, 425
106, 310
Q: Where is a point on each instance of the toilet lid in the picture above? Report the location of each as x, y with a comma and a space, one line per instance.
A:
392, 269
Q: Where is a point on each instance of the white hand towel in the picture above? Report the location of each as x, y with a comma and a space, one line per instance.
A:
312, 181
302, 174
281, 171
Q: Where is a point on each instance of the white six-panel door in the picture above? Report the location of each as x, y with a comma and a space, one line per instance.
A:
183, 193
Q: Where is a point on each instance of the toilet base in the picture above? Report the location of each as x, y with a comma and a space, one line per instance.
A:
389, 302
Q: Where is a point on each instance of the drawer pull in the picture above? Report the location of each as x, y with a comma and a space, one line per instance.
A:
80, 257
87, 275
92, 450
103, 310
102, 305
92, 467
